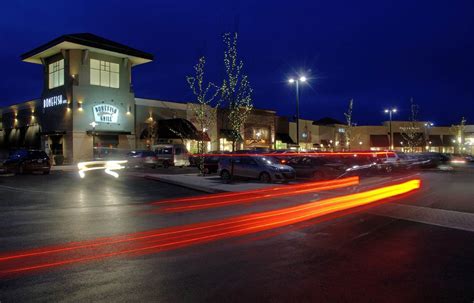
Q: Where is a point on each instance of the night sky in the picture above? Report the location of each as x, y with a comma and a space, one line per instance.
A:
380, 53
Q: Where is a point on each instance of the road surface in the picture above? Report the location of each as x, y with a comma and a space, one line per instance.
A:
416, 248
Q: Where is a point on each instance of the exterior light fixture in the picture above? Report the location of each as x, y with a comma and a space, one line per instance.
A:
390, 112
129, 110
360, 142
297, 84
79, 106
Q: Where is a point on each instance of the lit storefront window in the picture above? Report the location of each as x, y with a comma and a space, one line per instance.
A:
56, 74
257, 136
225, 145
105, 73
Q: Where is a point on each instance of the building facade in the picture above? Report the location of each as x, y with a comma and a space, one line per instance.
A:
88, 104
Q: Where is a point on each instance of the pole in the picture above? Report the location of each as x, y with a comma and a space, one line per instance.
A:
93, 143
297, 114
391, 134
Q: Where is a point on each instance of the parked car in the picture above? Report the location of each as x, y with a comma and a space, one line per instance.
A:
266, 169
284, 155
142, 158
171, 155
23, 161
211, 164
318, 168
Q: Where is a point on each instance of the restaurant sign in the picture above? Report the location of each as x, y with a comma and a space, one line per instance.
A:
54, 101
105, 113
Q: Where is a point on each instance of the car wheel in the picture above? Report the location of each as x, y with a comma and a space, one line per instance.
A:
166, 164
46, 172
388, 168
225, 176
265, 178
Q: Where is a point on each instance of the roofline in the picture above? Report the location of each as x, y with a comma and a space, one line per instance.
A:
85, 42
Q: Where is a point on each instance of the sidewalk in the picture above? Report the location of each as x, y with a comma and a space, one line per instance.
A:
70, 167
208, 184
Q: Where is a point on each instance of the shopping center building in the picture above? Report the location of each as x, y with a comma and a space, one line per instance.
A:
88, 103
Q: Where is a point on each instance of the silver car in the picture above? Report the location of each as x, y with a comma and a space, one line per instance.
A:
266, 169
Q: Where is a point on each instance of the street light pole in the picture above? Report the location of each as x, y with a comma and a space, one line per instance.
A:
297, 83
428, 125
390, 112
298, 113
93, 124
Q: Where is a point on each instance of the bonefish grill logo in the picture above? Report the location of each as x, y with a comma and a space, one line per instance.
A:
105, 113
53, 101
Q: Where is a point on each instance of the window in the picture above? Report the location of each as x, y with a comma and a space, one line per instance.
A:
104, 73
56, 73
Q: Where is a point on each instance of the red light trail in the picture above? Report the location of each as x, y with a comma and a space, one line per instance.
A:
220, 200
186, 235
301, 154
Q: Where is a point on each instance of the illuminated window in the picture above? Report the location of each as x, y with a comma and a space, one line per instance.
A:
104, 73
56, 74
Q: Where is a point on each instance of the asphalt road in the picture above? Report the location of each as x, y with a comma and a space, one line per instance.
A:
418, 248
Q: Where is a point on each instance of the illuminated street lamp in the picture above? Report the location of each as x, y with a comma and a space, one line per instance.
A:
93, 124
297, 82
428, 125
390, 112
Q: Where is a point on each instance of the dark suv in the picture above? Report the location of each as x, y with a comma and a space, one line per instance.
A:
22, 161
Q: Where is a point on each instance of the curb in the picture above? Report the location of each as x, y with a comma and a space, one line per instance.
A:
7, 174
185, 185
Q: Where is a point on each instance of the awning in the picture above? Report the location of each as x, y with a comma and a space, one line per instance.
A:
106, 133
227, 134
177, 128
53, 133
204, 136
435, 140
379, 141
284, 138
449, 140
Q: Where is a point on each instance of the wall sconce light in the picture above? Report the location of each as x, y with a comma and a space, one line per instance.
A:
129, 110
79, 106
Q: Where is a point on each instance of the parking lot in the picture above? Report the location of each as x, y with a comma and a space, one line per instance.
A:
388, 250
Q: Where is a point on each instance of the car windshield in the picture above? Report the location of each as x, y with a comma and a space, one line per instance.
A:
18, 154
165, 151
267, 160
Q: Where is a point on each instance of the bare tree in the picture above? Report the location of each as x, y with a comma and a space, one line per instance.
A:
350, 125
236, 92
411, 132
205, 108
458, 132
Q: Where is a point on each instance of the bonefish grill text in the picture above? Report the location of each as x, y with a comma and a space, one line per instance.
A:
53, 101
105, 113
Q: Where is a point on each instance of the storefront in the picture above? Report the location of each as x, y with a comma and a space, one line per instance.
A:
87, 103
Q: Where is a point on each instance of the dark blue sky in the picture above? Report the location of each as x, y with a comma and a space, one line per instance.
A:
378, 52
